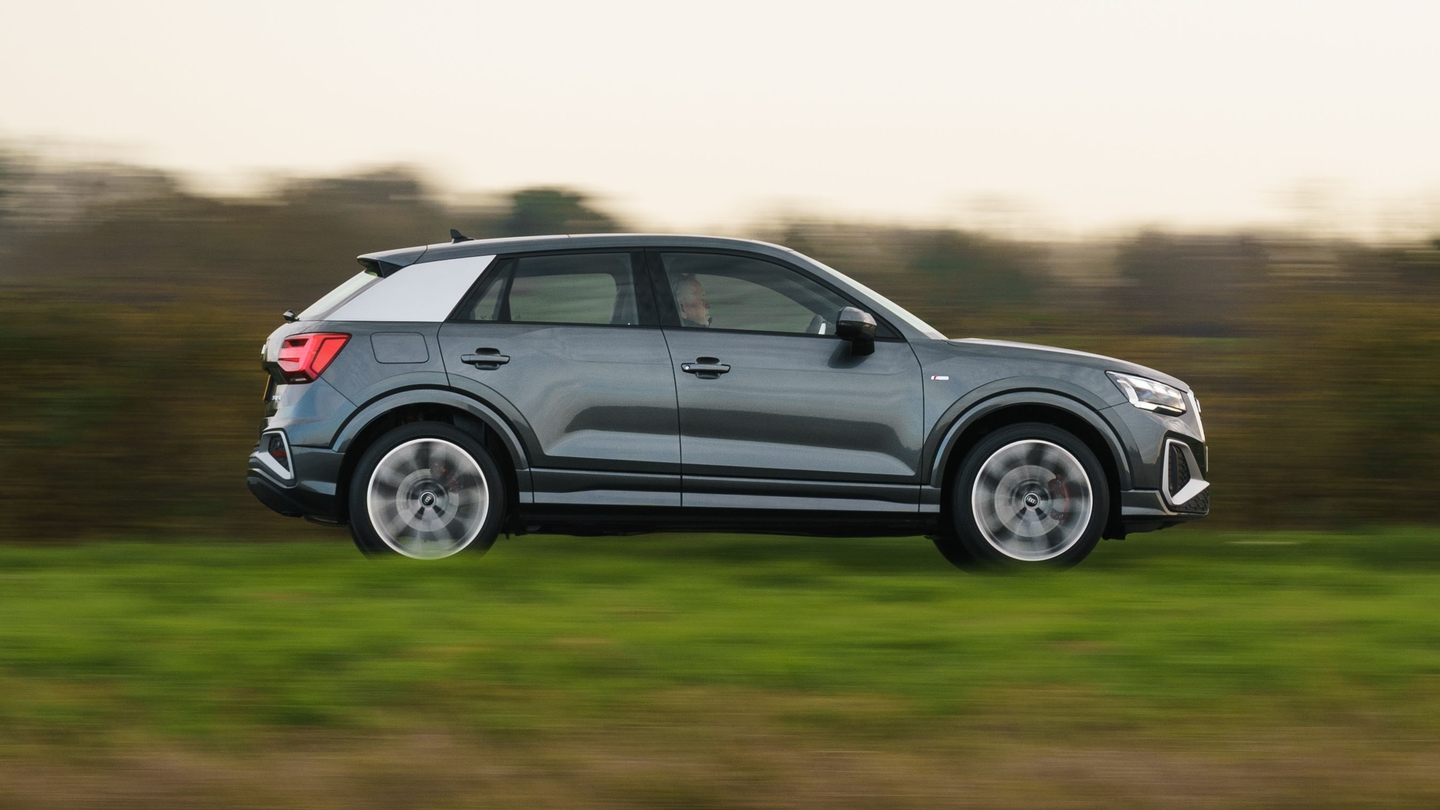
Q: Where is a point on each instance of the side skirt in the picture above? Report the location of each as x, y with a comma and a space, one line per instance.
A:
592, 521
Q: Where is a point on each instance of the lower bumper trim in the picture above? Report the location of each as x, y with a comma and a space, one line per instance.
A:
1144, 510
293, 502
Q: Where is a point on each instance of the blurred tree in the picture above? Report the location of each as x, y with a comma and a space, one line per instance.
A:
974, 273
1196, 285
382, 187
539, 211
8, 170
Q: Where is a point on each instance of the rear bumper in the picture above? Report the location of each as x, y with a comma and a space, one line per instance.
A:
312, 490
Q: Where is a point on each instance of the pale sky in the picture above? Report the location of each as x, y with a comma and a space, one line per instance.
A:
1081, 115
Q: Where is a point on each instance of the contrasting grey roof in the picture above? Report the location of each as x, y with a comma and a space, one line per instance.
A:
488, 247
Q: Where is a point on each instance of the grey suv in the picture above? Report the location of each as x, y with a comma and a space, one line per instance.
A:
627, 383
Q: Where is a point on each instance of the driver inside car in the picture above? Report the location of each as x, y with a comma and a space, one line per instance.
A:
694, 309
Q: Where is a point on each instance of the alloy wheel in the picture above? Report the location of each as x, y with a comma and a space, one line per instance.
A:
427, 499
1032, 500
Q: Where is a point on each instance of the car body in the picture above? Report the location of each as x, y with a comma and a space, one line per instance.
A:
576, 366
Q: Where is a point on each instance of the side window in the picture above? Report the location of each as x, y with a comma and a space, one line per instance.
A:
719, 291
579, 288
488, 307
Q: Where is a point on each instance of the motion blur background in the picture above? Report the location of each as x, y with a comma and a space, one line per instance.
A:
1243, 194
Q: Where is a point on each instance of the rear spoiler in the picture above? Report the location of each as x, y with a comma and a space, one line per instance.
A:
379, 268
388, 262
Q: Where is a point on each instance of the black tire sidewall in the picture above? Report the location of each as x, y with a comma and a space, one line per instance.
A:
967, 533
368, 540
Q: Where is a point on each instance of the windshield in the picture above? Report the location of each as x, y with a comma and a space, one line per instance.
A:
338, 296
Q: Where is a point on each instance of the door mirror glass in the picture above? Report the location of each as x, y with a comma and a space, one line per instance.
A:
857, 326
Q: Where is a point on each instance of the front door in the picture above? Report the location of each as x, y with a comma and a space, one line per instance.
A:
567, 346
775, 411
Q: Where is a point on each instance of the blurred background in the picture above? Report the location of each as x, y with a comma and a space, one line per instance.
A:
132, 308
1243, 194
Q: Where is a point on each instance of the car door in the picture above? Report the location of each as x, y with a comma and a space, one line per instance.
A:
568, 346
775, 410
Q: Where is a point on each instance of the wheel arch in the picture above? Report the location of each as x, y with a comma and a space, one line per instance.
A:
476, 418
981, 418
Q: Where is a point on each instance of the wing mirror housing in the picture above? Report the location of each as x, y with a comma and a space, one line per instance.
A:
857, 326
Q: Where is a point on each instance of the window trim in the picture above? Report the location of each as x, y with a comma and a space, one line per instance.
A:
502, 271
670, 309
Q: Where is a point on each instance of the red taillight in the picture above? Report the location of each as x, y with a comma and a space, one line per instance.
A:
303, 358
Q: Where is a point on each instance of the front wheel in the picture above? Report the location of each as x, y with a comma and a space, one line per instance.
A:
426, 490
1028, 496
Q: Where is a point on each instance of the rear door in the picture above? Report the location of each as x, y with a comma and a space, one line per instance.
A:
568, 346
775, 410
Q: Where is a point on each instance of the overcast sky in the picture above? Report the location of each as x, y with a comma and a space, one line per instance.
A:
1071, 115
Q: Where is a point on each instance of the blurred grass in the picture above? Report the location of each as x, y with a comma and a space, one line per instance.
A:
1293, 657
1165, 632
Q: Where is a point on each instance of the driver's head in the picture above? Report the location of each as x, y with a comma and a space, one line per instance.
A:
690, 296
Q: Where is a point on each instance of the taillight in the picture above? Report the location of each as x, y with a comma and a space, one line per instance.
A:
303, 358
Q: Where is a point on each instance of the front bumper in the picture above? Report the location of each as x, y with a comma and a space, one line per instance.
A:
1145, 510
309, 492
1184, 493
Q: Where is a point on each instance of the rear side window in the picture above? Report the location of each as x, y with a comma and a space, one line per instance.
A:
339, 295
575, 288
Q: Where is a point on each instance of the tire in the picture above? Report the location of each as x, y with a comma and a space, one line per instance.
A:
426, 490
1028, 497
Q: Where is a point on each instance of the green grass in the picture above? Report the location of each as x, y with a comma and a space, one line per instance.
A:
1182, 640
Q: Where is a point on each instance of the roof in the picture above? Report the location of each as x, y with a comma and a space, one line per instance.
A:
404, 257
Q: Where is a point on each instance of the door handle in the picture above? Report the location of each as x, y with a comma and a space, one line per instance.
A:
706, 368
487, 359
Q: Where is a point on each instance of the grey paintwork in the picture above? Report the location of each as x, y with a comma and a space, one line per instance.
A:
399, 348
798, 407
595, 398
604, 416
980, 372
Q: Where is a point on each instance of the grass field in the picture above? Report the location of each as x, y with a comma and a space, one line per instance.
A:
1181, 669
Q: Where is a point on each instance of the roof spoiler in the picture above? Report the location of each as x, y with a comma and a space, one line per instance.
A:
379, 268
388, 262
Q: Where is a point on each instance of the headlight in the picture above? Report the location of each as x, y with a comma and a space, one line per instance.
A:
1149, 395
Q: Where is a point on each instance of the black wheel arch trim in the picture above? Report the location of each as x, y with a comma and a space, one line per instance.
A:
1019, 391
376, 408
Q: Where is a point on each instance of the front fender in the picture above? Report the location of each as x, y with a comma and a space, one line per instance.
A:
987, 399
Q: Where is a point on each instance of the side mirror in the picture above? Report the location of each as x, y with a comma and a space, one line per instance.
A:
858, 327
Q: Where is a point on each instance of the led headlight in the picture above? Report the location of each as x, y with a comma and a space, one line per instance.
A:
1149, 395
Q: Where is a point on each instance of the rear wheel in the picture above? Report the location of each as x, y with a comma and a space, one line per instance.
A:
1027, 497
427, 491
